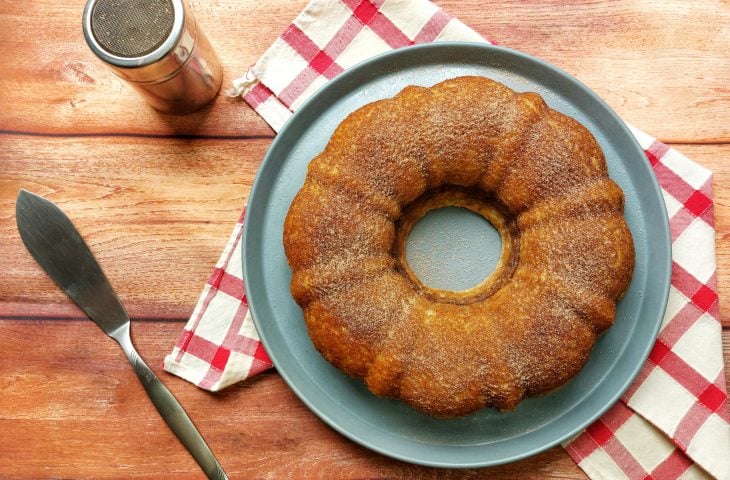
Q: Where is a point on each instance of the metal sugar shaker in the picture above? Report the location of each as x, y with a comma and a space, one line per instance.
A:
158, 48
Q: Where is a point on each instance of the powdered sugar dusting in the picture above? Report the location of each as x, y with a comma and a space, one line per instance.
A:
569, 253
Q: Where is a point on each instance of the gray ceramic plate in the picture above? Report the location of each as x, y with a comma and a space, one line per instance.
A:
387, 426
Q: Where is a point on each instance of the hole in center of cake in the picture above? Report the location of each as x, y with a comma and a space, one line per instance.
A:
453, 248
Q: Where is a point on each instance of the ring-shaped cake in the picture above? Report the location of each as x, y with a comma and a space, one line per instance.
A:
535, 174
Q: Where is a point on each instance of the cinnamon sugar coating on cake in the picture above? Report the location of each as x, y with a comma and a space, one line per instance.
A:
537, 175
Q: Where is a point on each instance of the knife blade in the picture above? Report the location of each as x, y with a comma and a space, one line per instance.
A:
57, 246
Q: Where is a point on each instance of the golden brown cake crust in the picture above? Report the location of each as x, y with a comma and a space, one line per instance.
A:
537, 175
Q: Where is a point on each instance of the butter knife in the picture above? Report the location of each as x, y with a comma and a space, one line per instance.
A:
58, 247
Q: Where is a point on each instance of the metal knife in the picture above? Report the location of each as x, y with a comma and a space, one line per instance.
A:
58, 247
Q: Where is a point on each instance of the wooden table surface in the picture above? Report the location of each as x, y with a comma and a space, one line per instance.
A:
156, 197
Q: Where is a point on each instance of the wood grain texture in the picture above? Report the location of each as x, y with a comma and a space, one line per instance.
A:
74, 409
661, 64
156, 197
181, 197
92, 412
157, 212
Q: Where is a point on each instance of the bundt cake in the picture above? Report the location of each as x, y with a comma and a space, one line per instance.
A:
537, 175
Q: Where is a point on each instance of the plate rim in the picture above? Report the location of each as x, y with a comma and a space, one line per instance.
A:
487, 48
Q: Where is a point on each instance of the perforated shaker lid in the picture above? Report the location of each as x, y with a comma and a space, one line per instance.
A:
130, 33
131, 28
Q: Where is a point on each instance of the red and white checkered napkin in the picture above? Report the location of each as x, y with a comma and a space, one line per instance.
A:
673, 421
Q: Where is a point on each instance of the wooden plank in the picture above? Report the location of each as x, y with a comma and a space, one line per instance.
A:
631, 52
72, 408
653, 61
158, 212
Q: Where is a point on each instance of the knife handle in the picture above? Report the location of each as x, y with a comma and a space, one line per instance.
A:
174, 414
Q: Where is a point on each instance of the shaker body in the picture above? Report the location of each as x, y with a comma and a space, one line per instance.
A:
180, 75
